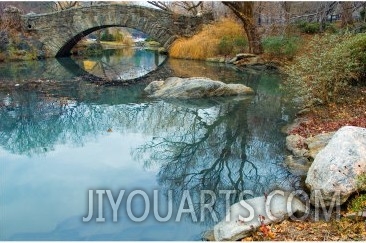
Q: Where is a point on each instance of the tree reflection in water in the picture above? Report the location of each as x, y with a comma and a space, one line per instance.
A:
218, 148
209, 144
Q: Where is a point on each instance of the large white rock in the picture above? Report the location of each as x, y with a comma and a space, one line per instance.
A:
184, 88
243, 217
337, 166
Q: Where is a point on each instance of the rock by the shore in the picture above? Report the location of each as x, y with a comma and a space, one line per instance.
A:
185, 88
304, 151
336, 167
233, 227
317, 143
241, 56
296, 144
297, 165
216, 59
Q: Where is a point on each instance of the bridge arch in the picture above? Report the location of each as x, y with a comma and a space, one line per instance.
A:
60, 31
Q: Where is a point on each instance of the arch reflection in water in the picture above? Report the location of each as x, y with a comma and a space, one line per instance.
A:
208, 144
112, 64
122, 64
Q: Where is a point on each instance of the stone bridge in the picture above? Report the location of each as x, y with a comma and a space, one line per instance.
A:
60, 31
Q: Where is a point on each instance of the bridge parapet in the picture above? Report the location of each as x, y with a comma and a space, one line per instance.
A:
60, 31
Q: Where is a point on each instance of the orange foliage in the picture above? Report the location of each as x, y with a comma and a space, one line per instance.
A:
205, 44
265, 229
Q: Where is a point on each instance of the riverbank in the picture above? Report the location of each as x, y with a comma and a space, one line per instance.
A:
335, 230
350, 109
347, 109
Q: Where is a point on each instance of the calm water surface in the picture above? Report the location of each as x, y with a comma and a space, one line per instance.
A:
63, 136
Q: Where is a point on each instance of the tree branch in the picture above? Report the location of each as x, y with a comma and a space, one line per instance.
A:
161, 5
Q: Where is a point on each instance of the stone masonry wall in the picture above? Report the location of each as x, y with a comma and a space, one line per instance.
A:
60, 31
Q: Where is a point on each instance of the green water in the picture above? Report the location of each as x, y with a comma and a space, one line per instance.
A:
62, 136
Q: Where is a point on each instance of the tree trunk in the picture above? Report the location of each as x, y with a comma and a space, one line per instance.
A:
245, 12
346, 14
286, 6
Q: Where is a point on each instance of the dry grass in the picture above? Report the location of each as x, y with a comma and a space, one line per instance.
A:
206, 43
127, 41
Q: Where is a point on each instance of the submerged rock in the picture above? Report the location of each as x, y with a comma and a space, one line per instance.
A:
336, 167
246, 215
184, 88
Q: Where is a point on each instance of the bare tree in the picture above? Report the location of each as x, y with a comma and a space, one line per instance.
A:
166, 6
245, 12
184, 7
325, 8
2, 7
346, 14
287, 9
61, 5
191, 7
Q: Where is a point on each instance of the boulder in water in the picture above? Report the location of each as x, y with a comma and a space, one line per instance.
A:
185, 88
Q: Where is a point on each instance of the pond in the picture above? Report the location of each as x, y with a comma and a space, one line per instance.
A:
64, 138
